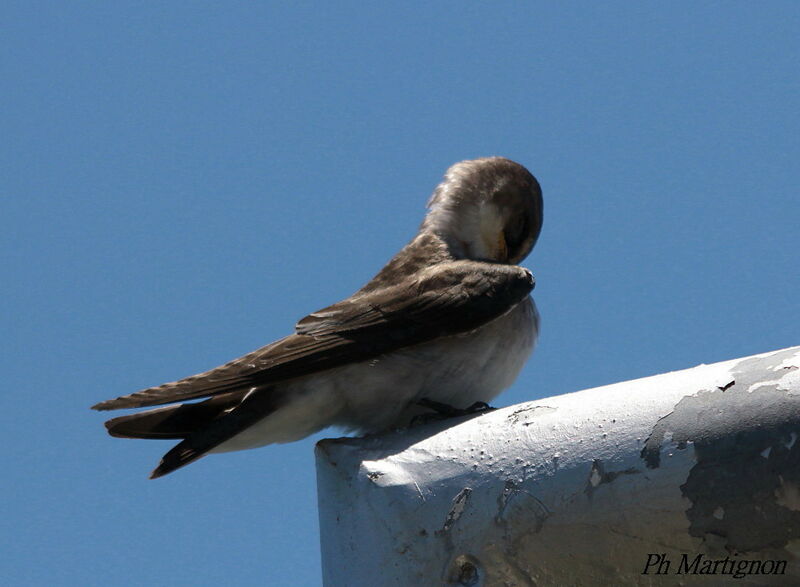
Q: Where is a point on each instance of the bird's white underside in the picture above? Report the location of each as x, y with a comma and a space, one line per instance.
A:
380, 394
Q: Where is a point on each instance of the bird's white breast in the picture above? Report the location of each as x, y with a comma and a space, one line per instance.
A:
382, 393
458, 371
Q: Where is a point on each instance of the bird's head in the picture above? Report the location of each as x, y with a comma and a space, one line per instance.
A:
487, 209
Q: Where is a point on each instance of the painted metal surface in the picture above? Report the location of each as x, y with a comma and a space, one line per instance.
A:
664, 480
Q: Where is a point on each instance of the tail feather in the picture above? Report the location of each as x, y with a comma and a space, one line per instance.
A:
178, 456
178, 421
257, 404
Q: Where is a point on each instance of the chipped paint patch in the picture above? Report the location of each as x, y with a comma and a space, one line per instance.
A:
790, 382
528, 412
738, 488
520, 506
788, 495
598, 476
594, 477
694, 415
788, 363
459, 505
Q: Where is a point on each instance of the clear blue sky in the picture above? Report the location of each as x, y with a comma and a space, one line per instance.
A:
182, 181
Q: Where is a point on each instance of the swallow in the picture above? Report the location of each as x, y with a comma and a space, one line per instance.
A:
448, 321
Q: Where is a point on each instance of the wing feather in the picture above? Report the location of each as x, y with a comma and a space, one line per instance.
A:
444, 300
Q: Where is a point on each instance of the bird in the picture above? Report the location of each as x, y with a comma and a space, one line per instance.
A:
447, 324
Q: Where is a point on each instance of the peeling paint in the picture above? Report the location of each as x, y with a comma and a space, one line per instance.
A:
594, 477
788, 495
734, 472
527, 413
459, 505
598, 476
521, 506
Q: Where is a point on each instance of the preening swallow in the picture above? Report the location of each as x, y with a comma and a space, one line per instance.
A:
449, 319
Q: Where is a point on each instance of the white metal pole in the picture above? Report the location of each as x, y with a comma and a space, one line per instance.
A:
665, 480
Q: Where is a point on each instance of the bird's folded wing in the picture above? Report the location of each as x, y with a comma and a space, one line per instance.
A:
443, 300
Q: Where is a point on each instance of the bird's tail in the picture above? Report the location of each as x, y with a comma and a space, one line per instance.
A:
178, 421
201, 426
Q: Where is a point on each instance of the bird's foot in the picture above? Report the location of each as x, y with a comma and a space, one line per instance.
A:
442, 411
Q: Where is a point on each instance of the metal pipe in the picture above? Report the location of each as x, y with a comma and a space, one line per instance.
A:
661, 480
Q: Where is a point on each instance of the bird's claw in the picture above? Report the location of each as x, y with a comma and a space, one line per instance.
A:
442, 411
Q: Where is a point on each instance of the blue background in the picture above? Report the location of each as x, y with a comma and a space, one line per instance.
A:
181, 182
